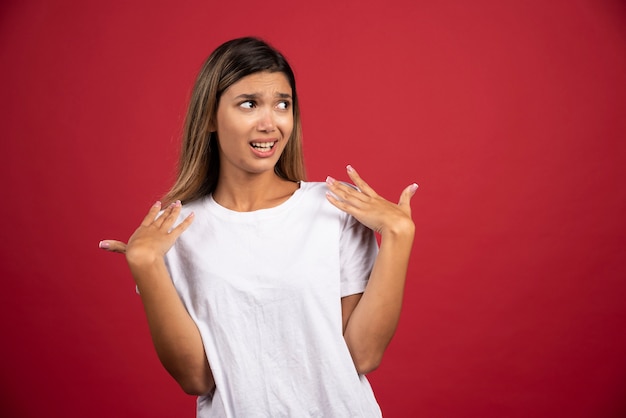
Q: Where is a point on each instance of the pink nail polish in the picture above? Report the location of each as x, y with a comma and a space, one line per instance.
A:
157, 204
103, 245
330, 180
414, 187
349, 168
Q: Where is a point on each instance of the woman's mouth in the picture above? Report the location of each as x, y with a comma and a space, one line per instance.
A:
263, 146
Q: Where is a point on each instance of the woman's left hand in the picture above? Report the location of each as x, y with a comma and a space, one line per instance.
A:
369, 208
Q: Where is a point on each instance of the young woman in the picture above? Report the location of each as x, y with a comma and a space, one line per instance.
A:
266, 295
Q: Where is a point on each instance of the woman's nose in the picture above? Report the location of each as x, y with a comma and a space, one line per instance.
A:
266, 121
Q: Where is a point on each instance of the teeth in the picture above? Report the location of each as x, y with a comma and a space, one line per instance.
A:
263, 146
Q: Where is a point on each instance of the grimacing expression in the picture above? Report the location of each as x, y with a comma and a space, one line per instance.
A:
254, 123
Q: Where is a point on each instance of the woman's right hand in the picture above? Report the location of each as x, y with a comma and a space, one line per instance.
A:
154, 237
174, 333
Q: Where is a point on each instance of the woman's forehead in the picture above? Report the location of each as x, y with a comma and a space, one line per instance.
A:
261, 83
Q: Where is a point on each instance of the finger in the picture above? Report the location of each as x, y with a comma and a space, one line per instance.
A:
168, 216
152, 213
359, 182
337, 202
113, 246
345, 191
406, 195
180, 228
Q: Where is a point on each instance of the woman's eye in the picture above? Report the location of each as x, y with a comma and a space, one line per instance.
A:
283, 105
247, 105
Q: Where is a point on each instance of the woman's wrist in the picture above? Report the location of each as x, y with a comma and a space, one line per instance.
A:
145, 266
404, 229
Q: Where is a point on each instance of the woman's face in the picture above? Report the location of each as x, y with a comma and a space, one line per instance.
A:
254, 122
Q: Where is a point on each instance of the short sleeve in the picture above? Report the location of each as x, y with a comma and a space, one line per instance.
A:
357, 252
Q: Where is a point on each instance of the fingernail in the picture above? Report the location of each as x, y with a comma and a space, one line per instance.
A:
103, 245
178, 204
330, 180
349, 168
414, 187
157, 204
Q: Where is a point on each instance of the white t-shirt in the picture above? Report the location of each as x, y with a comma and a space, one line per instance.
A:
265, 288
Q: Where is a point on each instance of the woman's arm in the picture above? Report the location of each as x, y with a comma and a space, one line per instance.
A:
175, 335
370, 319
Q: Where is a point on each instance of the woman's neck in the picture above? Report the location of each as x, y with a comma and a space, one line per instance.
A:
253, 192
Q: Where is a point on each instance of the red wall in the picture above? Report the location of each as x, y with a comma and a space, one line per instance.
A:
510, 116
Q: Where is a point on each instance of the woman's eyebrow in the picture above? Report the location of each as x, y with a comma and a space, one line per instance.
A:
250, 96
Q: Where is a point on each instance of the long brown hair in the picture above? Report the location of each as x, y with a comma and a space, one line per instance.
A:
198, 168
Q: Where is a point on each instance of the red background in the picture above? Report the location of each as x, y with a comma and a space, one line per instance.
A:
510, 116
